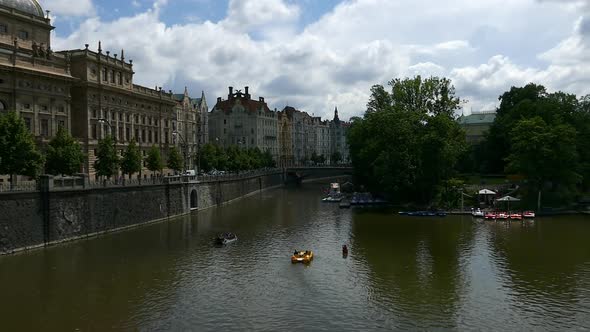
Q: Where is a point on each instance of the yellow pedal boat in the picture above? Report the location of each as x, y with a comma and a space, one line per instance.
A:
302, 256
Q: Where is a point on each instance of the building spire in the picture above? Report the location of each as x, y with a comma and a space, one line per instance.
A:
123, 55
186, 91
99, 46
336, 118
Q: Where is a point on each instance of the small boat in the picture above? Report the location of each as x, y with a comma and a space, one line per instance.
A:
344, 205
332, 199
515, 216
502, 216
478, 213
344, 251
528, 214
226, 238
302, 256
490, 215
441, 214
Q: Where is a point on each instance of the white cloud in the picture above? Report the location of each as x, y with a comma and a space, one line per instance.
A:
70, 8
484, 46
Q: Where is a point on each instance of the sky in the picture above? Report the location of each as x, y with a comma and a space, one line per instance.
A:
318, 54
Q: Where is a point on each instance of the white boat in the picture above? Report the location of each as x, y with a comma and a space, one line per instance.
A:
478, 213
529, 214
332, 199
226, 238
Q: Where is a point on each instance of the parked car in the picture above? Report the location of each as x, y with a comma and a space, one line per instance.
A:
190, 172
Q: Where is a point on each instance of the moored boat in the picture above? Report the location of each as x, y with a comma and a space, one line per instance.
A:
332, 199
490, 215
478, 213
502, 215
226, 238
528, 214
515, 216
302, 256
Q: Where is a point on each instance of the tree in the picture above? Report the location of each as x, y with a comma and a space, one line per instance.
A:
64, 154
407, 144
336, 157
544, 154
154, 159
18, 152
175, 161
131, 162
208, 156
107, 161
268, 160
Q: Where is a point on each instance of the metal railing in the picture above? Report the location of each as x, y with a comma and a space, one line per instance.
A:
24, 186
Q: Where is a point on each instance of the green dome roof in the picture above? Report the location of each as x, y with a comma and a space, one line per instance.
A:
26, 6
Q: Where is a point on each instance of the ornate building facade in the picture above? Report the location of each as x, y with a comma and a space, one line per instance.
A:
34, 81
292, 136
106, 102
244, 122
191, 122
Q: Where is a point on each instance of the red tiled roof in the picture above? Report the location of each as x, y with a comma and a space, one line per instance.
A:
252, 106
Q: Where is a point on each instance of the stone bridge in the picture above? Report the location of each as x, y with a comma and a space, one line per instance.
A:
305, 174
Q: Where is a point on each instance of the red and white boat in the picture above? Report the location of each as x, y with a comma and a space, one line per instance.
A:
490, 215
529, 214
502, 216
515, 216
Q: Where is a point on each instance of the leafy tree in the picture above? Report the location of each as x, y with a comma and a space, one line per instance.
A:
175, 161
154, 159
64, 154
544, 154
209, 157
407, 144
107, 161
336, 157
131, 162
267, 160
18, 152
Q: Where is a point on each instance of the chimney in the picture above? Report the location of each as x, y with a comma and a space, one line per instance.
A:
219, 99
231, 91
247, 94
261, 99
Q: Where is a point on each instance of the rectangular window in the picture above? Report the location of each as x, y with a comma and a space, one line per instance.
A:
27, 106
166, 139
120, 78
44, 127
120, 116
156, 137
121, 137
143, 120
22, 34
3, 28
150, 136
28, 123
61, 109
104, 74
143, 135
128, 118
61, 124
127, 133
44, 108
112, 76
94, 131
113, 116
137, 135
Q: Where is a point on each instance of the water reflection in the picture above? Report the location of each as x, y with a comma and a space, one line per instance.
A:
416, 265
401, 273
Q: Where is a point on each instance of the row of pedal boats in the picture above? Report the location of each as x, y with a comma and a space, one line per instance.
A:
503, 215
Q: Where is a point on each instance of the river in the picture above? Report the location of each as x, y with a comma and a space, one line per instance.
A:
410, 273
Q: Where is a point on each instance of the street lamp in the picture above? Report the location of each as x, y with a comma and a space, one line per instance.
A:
107, 122
184, 146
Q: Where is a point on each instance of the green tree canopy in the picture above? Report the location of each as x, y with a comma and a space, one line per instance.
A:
131, 162
18, 152
175, 160
407, 144
154, 159
64, 154
107, 161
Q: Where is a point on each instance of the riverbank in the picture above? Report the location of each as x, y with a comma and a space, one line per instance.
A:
56, 215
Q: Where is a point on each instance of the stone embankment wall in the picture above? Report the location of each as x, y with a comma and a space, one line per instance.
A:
53, 215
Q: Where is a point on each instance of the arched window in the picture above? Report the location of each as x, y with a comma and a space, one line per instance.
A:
3, 106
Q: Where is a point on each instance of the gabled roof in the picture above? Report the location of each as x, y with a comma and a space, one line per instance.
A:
252, 106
